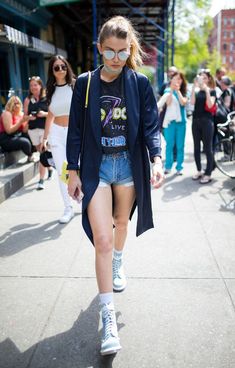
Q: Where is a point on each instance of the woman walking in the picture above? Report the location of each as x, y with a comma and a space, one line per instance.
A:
203, 97
59, 94
36, 105
110, 143
174, 123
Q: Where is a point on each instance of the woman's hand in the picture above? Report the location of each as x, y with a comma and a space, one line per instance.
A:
75, 186
173, 84
27, 118
42, 114
157, 175
25, 127
44, 145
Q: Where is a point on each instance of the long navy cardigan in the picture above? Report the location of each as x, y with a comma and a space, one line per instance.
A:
143, 130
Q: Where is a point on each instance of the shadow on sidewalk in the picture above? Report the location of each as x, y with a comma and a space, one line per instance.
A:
78, 347
26, 235
174, 189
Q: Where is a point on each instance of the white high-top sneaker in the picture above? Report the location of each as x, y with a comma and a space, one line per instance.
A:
119, 278
110, 341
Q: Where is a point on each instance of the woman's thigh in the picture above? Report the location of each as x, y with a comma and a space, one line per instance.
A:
180, 135
197, 134
207, 134
14, 143
124, 197
170, 134
100, 214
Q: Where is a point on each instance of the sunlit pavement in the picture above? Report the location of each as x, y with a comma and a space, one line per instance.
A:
178, 309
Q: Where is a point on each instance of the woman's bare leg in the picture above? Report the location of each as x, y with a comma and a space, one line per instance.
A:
124, 197
100, 217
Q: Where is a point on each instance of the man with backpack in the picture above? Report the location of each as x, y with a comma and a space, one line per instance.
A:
225, 102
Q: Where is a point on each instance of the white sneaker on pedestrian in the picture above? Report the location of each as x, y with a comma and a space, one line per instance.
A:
119, 278
110, 343
40, 185
67, 215
32, 158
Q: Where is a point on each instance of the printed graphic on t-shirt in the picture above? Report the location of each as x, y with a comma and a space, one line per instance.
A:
114, 124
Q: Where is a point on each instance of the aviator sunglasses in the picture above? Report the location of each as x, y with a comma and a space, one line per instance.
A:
63, 67
110, 54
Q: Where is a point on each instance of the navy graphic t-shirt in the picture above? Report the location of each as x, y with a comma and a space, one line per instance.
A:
113, 116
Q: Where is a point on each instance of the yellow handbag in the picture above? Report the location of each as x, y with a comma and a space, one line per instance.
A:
64, 177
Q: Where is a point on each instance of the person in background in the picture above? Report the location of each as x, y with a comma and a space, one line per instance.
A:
225, 105
219, 73
171, 71
35, 104
227, 92
233, 92
59, 91
203, 94
121, 124
174, 123
13, 128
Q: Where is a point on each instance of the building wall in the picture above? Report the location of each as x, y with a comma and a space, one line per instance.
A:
228, 38
223, 37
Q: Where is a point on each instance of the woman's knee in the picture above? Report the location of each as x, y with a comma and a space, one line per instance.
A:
120, 224
103, 243
26, 146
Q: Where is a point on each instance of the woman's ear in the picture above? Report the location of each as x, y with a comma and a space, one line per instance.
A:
99, 48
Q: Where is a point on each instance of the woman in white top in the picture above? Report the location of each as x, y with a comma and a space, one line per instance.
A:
174, 123
59, 94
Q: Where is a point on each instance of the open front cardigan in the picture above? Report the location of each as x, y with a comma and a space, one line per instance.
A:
143, 140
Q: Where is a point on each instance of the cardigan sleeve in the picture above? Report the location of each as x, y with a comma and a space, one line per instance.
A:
151, 124
74, 138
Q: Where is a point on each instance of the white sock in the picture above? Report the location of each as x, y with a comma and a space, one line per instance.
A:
117, 254
106, 298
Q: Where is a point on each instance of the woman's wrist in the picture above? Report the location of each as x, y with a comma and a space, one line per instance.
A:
157, 161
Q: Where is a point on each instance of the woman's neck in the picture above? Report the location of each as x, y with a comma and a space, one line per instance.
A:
17, 113
108, 75
36, 96
60, 82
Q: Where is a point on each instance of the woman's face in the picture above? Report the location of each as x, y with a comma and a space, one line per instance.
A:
16, 107
59, 69
35, 87
205, 78
115, 52
177, 80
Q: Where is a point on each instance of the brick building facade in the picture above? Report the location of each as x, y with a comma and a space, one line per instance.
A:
222, 37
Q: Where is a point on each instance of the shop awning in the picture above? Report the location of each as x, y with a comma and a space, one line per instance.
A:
12, 35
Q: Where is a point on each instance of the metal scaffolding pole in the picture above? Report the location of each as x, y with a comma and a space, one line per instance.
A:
173, 33
94, 34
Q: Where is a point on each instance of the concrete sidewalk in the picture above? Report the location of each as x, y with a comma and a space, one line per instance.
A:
178, 310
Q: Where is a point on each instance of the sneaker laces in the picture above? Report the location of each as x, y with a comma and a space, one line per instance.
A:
116, 267
108, 318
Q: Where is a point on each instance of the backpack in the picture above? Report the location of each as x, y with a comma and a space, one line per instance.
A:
222, 111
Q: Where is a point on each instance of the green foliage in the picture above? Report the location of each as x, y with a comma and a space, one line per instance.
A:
214, 61
194, 53
149, 71
189, 15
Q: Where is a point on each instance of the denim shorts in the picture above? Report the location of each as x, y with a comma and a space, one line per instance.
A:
116, 169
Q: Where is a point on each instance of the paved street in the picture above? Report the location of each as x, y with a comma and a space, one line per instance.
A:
178, 310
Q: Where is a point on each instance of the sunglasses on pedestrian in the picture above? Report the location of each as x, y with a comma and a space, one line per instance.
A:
110, 54
63, 67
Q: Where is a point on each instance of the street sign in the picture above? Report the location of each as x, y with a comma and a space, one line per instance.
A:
55, 2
